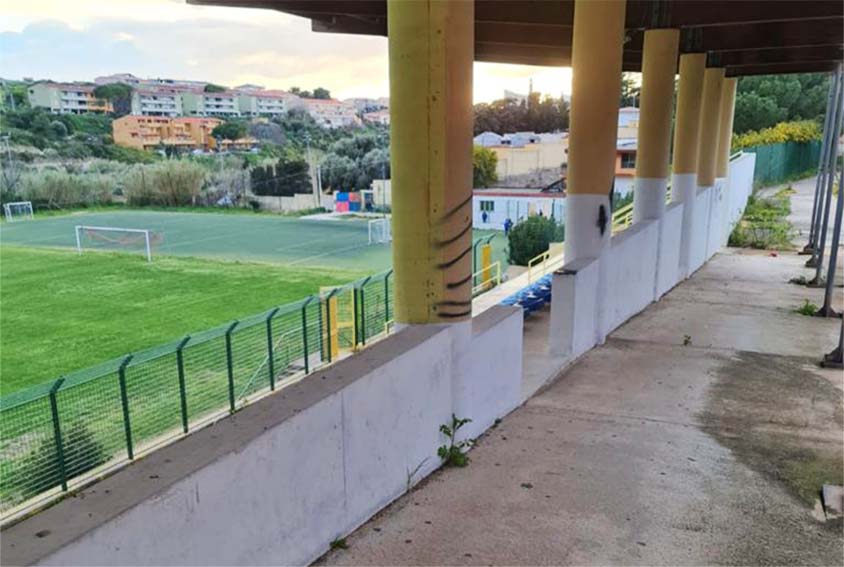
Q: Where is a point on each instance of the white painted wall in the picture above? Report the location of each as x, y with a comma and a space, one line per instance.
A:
699, 229
515, 208
668, 265
632, 265
275, 483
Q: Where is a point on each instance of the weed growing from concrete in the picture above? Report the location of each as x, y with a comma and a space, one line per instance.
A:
339, 543
808, 308
687, 340
453, 453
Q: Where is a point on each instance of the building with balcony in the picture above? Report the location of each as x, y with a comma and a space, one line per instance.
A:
151, 132
257, 102
331, 113
157, 101
378, 117
222, 104
66, 98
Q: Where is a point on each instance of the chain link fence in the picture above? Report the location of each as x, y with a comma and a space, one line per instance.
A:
58, 435
779, 163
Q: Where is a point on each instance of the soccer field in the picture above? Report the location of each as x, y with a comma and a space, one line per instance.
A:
61, 312
287, 241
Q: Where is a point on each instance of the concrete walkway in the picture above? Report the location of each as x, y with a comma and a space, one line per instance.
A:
698, 434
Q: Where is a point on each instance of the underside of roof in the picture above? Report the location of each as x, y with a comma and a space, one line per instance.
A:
748, 37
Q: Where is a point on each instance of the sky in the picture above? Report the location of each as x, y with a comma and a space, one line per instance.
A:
67, 40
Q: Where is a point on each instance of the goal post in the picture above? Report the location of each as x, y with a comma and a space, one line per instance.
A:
116, 238
380, 231
14, 211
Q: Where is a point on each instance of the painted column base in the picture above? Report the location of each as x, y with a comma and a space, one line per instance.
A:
649, 198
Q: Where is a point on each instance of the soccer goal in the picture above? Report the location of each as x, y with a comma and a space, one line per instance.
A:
118, 239
380, 231
20, 210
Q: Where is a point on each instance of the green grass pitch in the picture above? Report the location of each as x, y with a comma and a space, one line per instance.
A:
60, 312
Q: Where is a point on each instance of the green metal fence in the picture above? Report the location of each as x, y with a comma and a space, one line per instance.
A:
778, 163
57, 434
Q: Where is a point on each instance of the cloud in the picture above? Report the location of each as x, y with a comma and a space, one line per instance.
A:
52, 39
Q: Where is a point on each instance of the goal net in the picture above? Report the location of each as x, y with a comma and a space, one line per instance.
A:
117, 239
380, 231
21, 210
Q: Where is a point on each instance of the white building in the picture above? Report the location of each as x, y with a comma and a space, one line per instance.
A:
267, 103
331, 113
488, 139
492, 207
219, 104
378, 117
157, 101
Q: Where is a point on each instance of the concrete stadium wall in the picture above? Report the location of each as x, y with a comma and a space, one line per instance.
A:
276, 482
668, 267
641, 264
632, 265
700, 229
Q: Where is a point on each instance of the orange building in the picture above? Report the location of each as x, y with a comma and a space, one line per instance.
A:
149, 132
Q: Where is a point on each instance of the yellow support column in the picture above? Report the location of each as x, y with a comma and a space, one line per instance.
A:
659, 64
598, 39
431, 51
686, 136
710, 121
725, 128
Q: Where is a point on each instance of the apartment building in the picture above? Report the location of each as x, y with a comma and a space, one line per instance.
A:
378, 117
257, 102
199, 103
161, 101
331, 113
66, 98
150, 132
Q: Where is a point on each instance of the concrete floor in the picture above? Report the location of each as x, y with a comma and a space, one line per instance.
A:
647, 451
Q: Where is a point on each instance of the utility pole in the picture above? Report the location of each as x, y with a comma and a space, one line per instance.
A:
313, 174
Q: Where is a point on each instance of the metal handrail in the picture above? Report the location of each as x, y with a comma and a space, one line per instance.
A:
490, 282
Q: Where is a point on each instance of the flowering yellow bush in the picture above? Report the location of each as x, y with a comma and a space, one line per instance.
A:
802, 131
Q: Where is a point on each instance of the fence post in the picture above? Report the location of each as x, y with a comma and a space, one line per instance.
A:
230, 364
363, 309
321, 339
183, 395
328, 320
124, 399
57, 433
387, 299
270, 368
305, 330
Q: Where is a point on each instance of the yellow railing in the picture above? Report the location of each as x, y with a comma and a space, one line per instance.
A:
490, 278
539, 265
622, 218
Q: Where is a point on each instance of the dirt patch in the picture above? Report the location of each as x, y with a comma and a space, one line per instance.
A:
779, 418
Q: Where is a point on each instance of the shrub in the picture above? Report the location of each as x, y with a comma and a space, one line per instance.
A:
484, 164
802, 131
60, 189
763, 225
168, 183
532, 237
39, 470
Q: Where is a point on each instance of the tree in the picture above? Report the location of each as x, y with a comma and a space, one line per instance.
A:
764, 100
629, 91
229, 130
118, 94
540, 114
339, 173
212, 88
322, 93
532, 237
484, 163
294, 174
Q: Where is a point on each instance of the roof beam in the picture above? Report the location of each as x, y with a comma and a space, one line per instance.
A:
783, 68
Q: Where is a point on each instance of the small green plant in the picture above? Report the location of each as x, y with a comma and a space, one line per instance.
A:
808, 308
453, 453
687, 340
339, 543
